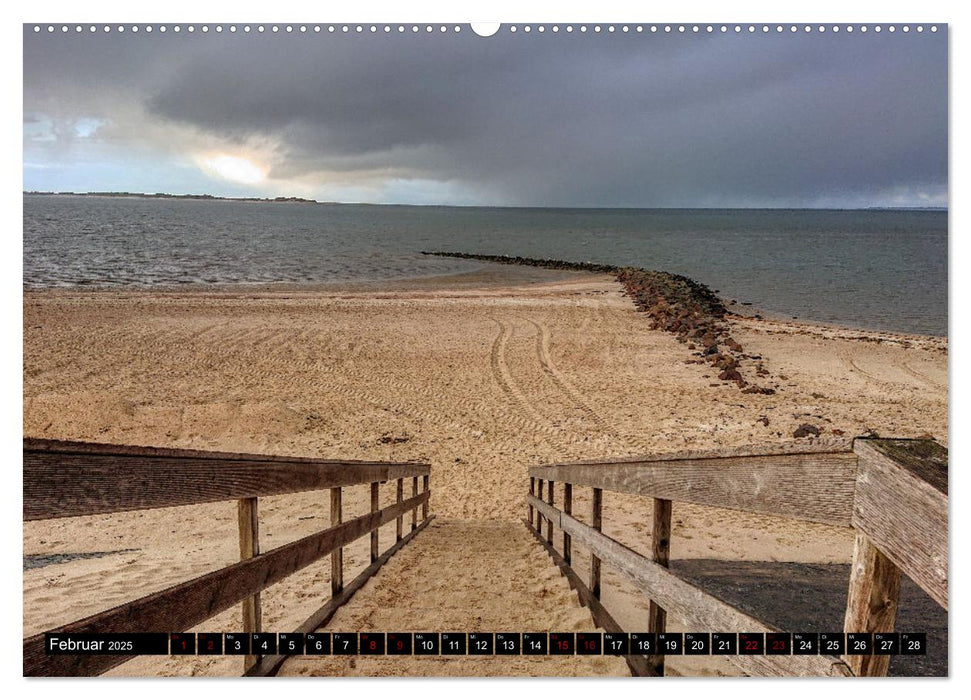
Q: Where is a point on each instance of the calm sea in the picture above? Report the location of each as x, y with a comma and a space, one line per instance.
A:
879, 269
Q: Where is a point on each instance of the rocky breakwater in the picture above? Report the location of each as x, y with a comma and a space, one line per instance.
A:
675, 304
698, 318
531, 262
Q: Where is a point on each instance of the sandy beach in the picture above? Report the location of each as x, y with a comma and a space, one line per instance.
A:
480, 375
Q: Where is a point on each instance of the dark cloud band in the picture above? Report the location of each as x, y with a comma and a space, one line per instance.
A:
555, 120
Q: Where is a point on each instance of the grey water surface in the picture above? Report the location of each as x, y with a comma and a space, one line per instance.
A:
875, 269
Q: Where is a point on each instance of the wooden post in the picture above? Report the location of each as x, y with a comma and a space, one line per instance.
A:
871, 604
532, 492
597, 523
568, 509
399, 495
374, 533
901, 505
424, 506
549, 523
337, 558
539, 516
414, 512
249, 547
661, 553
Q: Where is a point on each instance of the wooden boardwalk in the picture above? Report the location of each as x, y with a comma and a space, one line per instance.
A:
64, 479
891, 493
498, 580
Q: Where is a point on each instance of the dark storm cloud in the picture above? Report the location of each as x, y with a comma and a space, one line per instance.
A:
587, 120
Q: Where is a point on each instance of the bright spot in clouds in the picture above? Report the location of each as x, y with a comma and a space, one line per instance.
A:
86, 126
234, 168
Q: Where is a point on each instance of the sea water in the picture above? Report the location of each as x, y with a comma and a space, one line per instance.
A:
876, 269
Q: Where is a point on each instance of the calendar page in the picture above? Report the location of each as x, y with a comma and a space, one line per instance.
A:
436, 349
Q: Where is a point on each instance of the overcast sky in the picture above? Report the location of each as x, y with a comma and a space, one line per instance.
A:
628, 120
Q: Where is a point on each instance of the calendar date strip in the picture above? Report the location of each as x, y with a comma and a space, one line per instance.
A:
487, 643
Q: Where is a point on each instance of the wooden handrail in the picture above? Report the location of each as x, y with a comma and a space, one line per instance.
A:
815, 482
69, 479
901, 506
690, 603
185, 605
900, 517
639, 665
63, 479
892, 492
779, 448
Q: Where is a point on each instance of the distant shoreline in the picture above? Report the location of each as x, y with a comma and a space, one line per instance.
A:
302, 200
166, 195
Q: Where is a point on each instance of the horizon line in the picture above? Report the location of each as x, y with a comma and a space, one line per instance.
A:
291, 199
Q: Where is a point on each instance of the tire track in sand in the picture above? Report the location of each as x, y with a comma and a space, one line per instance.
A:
420, 402
920, 376
866, 376
560, 381
879, 382
500, 370
570, 392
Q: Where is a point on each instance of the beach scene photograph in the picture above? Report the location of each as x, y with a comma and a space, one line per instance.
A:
439, 350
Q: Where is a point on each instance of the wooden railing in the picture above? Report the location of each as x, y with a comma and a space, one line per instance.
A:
893, 493
69, 479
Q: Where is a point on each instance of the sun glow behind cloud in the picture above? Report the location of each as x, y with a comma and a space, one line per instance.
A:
834, 120
234, 168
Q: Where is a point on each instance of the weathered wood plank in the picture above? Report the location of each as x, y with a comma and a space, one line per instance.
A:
337, 556
903, 513
74, 479
657, 616
816, 486
185, 605
269, 665
249, 547
689, 603
549, 523
596, 518
568, 509
601, 617
780, 448
424, 506
399, 495
540, 487
402, 470
532, 492
871, 604
79, 447
925, 459
414, 494
375, 507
